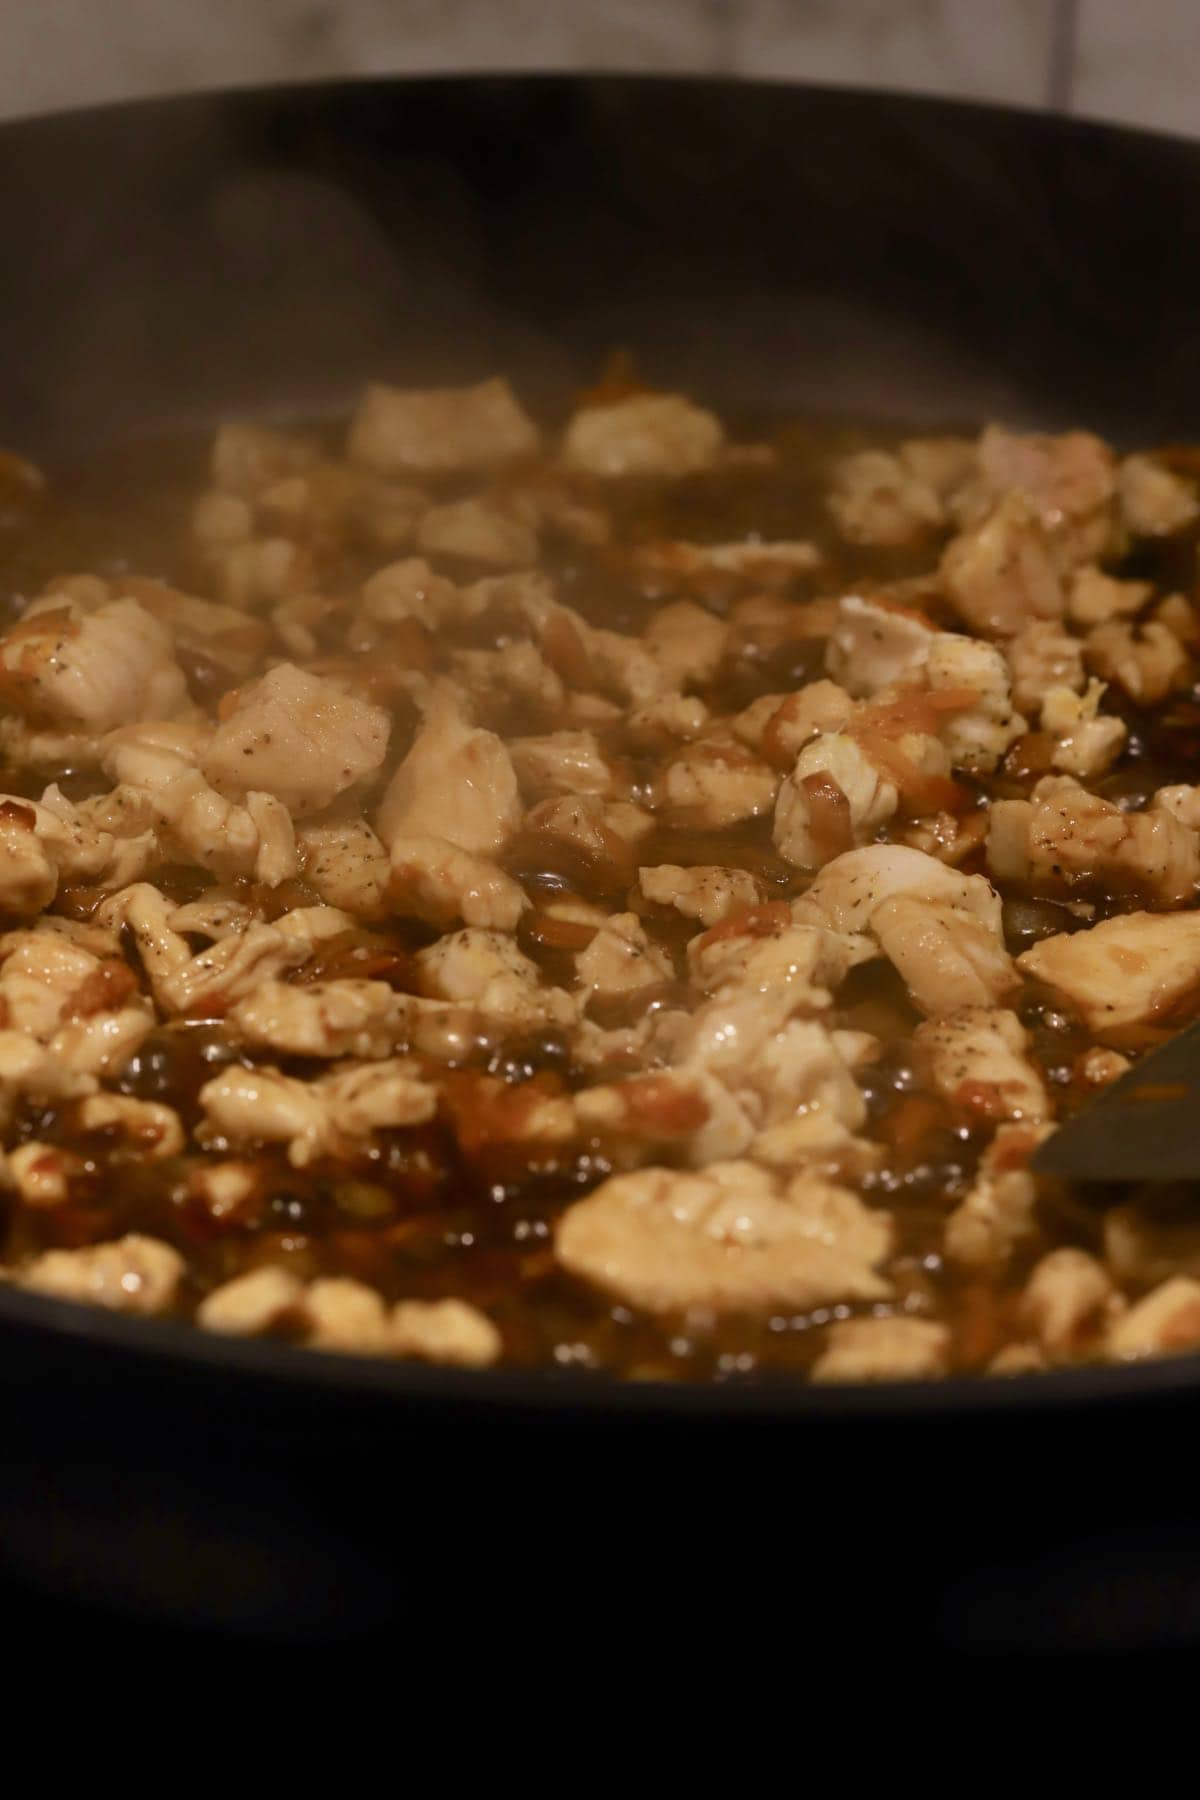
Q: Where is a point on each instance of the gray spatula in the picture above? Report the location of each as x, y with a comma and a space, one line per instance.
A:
1145, 1127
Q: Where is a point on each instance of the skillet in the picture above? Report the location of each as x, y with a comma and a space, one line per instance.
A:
176, 262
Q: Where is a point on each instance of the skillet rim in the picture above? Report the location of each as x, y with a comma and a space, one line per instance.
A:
160, 1345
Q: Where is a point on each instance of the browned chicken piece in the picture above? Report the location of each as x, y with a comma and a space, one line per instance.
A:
324, 1018
1069, 482
345, 864
1094, 597
646, 434
1153, 500
892, 1349
1166, 1320
997, 1218
716, 782
947, 957
1087, 741
977, 1059
65, 666
1147, 661
733, 1238
478, 531
1069, 1301
1001, 575
565, 762
836, 796
1042, 656
456, 784
705, 892
847, 891
877, 643
405, 431
688, 642
443, 1331
878, 499
297, 736
136, 1274
1067, 836
1127, 972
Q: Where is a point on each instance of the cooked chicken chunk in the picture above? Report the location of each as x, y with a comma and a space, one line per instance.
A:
716, 782
1147, 661
440, 430
1068, 1301
259, 1301
996, 1219
621, 959
948, 958
345, 863
704, 892
977, 1059
478, 531
1042, 656
1166, 1320
647, 434
1000, 575
444, 1331
876, 643
847, 891
730, 1239
895, 1349
1133, 970
456, 783
1066, 835
878, 500
1068, 481
836, 796
1154, 501
314, 1118
67, 667
325, 1018
135, 1274
298, 737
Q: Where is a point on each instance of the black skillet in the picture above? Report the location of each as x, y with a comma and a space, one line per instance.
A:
763, 246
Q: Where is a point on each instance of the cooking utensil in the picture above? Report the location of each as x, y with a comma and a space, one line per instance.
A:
1144, 1127
765, 247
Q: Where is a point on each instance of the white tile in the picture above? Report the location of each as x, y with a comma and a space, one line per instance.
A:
1139, 63
980, 49
72, 52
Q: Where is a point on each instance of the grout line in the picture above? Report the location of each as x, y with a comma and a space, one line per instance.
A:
1064, 46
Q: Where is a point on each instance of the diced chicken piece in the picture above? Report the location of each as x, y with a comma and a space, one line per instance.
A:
252, 1304
444, 1331
346, 1316
1000, 575
401, 431
1069, 481
976, 736
647, 434
847, 891
410, 590
325, 1018
997, 1217
1088, 741
977, 1059
896, 1349
478, 531
1182, 802
434, 880
1068, 1301
1166, 1320
28, 869
780, 725
671, 718
621, 959
947, 957
41, 1174
1133, 970
142, 1128
564, 762
297, 736
1154, 502
515, 672
728, 1239
47, 981
456, 783
714, 783
1094, 597
248, 458
704, 892
89, 671
876, 644
1147, 661
1146, 1243
762, 951
835, 797
1043, 656
488, 971
345, 863
314, 1118
877, 499
157, 767
944, 463
135, 1274
688, 641
1067, 835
